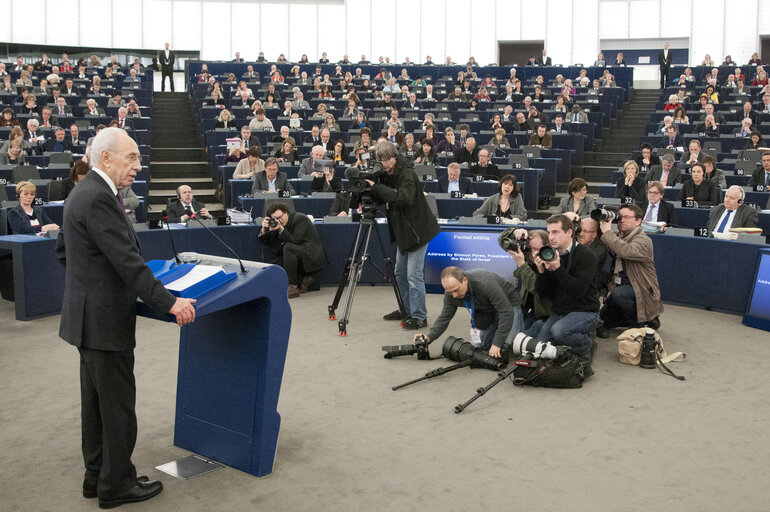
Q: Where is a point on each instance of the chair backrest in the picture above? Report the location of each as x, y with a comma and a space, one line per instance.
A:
531, 151
3, 194
432, 204
751, 155
746, 166
25, 173
653, 170
518, 161
3, 222
57, 190
665, 151
425, 172
289, 202
714, 145
60, 158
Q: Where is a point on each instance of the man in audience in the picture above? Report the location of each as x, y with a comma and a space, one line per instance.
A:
748, 113
300, 103
247, 139
657, 209
745, 129
569, 282
307, 167
271, 179
260, 123
293, 243
315, 135
62, 109
761, 176
672, 139
133, 109
457, 95
123, 121
166, 60
577, 115
719, 118
523, 124
68, 88
74, 139
667, 173
411, 103
386, 101
58, 144
452, 182
326, 142
185, 206
634, 298
469, 153
493, 303
483, 167
559, 127
34, 136
732, 213
708, 128
694, 156
288, 109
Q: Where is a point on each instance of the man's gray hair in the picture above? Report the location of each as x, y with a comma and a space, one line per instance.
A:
385, 150
106, 140
668, 158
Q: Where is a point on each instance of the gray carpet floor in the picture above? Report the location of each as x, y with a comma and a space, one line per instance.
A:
629, 440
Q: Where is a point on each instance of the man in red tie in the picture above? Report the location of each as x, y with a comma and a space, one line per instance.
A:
124, 122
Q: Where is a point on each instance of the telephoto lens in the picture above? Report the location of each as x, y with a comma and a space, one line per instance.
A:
392, 351
547, 253
481, 359
604, 214
457, 349
648, 350
527, 346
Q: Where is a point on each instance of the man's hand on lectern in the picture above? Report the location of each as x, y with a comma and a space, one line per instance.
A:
184, 311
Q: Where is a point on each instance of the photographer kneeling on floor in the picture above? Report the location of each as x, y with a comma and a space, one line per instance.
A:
492, 302
634, 298
533, 306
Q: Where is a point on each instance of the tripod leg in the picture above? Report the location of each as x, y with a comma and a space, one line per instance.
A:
390, 275
345, 274
356, 269
501, 376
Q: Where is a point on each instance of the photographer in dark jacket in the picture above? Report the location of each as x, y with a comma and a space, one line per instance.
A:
411, 225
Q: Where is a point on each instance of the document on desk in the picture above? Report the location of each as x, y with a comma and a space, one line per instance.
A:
197, 274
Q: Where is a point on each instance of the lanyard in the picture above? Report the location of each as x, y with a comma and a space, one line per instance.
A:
470, 310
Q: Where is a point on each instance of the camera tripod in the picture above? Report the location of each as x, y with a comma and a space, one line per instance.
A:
354, 267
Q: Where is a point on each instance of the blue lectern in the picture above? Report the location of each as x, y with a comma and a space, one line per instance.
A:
230, 367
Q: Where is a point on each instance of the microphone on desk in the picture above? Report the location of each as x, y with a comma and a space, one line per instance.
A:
195, 216
170, 237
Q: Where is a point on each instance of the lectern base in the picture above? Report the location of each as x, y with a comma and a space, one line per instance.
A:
190, 467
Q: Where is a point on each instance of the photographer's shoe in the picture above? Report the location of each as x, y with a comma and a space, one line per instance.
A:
293, 291
654, 323
415, 323
394, 315
601, 331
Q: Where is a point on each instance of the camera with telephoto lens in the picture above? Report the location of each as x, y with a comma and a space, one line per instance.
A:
527, 346
547, 253
271, 222
357, 177
420, 347
649, 347
606, 214
459, 350
509, 243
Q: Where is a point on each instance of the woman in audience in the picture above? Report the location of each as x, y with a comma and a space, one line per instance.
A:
561, 105
108, 74
304, 59
646, 160
428, 120
577, 201
728, 61
349, 78
271, 101
277, 77
707, 61
231, 79
430, 135
411, 150
256, 106
30, 106
294, 72
14, 155
350, 93
673, 102
712, 94
225, 120
404, 75
760, 79
702, 192
214, 86
427, 155
360, 122
631, 185
250, 165
340, 153
496, 122
287, 152
242, 87
755, 141
236, 154
755, 60
506, 204
329, 183
689, 78
499, 139
568, 88
714, 175
331, 123
607, 79
325, 93
450, 145
17, 134
366, 85
538, 95
619, 60
26, 219
460, 78
365, 142
9, 118
24, 80
320, 112
79, 169
482, 95
679, 116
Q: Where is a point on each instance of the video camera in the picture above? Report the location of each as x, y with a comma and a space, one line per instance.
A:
420, 347
357, 178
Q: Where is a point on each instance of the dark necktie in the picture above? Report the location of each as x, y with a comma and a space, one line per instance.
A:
120, 201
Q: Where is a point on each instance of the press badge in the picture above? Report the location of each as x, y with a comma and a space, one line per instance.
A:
475, 337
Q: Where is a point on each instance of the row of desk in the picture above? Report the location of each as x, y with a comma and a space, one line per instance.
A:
720, 277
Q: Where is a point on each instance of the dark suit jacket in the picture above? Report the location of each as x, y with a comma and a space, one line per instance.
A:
281, 182
55, 111
665, 62
636, 191
656, 172
50, 143
757, 177
542, 63
175, 210
463, 155
99, 112
666, 212
105, 271
299, 230
745, 217
166, 64
466, 186
18, 222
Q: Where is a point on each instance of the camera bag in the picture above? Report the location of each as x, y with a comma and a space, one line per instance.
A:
565, 371
630, 347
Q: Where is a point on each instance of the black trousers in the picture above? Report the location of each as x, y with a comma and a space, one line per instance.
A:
108, 400
296, 262
663, 77
166, 72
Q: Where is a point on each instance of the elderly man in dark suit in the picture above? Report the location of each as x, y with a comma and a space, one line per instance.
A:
656, 209
185, 206
666, 173
271, 179
732, 213
454, 182
105, 272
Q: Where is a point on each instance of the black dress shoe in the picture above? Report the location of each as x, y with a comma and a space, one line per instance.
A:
654, 323
140, 492
89, 487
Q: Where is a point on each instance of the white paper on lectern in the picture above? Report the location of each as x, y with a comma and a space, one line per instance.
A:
194, 276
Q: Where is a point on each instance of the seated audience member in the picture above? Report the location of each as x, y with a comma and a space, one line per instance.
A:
634, 298
453, 182
646, 160
631, 185
761, 176
185, 206
271, 179
496, 313
426, 155
754, 142
92, 110
666, 173
251, 165
58, 143
506, 204
714, 175
483, 167
672, 139
577, 115
499, 139
542, 138
14, 155
732, 213
559, 127
694, 156
25, 219
449, 146
411, 150
577, 201
327, 182
697, 189
719, 118
260, 123
468, 154
307, 167
287, 152
339, 154
655, 208
225, 120
79, 169
292, 243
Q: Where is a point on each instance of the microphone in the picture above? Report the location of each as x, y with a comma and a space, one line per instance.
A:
195, 216
170, 237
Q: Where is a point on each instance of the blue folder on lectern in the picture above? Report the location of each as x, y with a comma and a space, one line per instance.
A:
189, 280
231, 363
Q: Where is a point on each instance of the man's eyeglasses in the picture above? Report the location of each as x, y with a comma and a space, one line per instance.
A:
628, 217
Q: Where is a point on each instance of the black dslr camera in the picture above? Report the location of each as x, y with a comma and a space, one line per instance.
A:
271, 222
420, 347
509, 243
